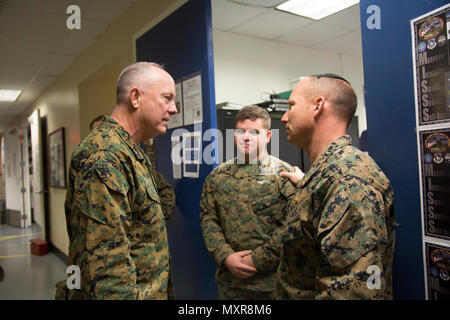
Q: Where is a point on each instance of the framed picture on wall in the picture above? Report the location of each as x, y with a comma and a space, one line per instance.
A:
57, 158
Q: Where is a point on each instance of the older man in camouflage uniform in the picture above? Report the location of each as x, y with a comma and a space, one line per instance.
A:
114, 219
165, 190
243, 204
338, 241
166, 194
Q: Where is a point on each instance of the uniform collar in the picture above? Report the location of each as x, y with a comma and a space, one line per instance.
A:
251, 169
124, 135
322, 158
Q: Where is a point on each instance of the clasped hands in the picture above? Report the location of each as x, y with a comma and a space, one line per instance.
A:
241, 264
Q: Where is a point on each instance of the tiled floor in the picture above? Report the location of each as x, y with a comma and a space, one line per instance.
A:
27, 276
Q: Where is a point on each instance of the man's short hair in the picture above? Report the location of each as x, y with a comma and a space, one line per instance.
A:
128, 77
253, 113
339, 91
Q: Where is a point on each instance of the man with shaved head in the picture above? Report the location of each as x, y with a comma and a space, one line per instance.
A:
114, 218
338, 241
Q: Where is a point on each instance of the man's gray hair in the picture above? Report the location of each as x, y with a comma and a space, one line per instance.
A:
128, 77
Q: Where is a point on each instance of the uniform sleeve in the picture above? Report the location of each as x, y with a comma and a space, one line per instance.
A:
212, 231
166, 194
101, 246
352, 238
266, 257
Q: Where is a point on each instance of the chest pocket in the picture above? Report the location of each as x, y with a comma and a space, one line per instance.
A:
151, 191
265, 202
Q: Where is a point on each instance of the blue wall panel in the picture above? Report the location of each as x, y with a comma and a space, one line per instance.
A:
183, 43
389, 100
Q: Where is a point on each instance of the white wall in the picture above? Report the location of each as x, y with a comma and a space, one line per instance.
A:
248, 69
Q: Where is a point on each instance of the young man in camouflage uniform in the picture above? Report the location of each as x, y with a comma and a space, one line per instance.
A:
338, 242
243, 204
114, 219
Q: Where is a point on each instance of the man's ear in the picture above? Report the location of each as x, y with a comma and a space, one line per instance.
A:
268, 135
319, 104
135, 95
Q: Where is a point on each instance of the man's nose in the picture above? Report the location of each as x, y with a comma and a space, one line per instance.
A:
173, 108
284, 119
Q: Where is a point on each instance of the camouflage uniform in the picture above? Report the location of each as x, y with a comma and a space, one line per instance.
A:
340, 222
166, 194
114, 220
242, 205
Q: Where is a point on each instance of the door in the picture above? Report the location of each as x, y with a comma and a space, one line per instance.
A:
37, 184
15, 187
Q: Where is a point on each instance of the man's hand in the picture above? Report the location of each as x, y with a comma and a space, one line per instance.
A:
295, 176
248, 260
235, 264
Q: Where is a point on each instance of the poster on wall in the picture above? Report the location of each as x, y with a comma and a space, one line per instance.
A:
57, 159
192, 100
432, 62
435, 165
438, 269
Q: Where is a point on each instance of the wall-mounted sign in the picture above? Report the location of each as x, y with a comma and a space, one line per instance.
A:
432, 63
57, 158
438, 270
435, 163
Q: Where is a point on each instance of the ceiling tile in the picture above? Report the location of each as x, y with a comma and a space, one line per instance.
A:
15, 80
271, 24
12, 61
227, 15
79, 40
4, 106
51, 6
261, 3
311, 34
357, 52
57, 64
348, 18
32, 30
342, 44
106, 10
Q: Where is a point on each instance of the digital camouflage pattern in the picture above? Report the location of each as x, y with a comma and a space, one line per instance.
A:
114, 220
340, 222
242, 207
166, 194
227, 293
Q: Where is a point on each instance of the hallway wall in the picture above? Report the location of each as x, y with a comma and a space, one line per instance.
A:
60, 103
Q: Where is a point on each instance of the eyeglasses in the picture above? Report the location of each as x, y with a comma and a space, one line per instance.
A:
251, 132
329, 75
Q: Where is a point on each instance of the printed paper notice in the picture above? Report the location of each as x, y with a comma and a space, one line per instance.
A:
176, 157
192, 100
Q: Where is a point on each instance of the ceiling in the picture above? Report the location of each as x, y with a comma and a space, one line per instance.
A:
36, 46
339, 33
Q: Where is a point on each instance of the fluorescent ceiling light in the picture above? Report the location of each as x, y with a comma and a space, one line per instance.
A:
315, 9
9, 95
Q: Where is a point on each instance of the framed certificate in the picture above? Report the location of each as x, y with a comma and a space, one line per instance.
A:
57, 158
